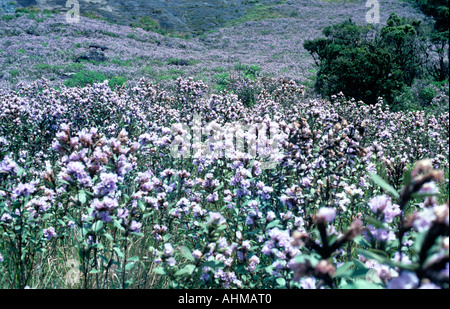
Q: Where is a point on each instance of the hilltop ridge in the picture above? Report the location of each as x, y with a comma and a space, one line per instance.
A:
181, 15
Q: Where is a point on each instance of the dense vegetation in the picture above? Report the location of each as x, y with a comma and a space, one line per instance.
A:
119, 169
124, 188
367, 63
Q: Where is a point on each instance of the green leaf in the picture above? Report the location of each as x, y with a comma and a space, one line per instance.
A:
273, 224
362, 284
160, 271
94, 271
376, 223
186, 270
373, 254
141, 205
97, 226
128, 282
134, 259
82, 197
64, 182
187, 253
98, 246
281, 282
383, 258
119, 252
118, 225
344, 271
383, 184
129, 266
218, 188
214, 264
406, 178
108, 236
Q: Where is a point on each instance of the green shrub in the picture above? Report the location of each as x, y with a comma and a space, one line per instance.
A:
7, 17
365, 63
252, 71
147, 23
76, 66
84, 78
14, 73
426, 95
221, 80
117, 81
176, 61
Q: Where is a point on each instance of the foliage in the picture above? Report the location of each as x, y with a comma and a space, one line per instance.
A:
366, 64
439, 10
91, 186
85, 77
147, 23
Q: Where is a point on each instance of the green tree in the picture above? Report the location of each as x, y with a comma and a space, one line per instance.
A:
438, 49
405, 43
366, 63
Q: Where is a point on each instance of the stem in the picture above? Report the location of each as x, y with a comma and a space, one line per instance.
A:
124, 260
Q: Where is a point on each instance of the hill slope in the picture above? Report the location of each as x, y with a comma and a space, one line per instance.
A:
269, 37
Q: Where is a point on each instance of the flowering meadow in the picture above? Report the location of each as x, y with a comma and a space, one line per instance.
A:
95, 191
132, 159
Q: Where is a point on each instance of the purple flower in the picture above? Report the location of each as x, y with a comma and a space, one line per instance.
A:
382, 204
215, 218
197, 254
379, 203
378, 234
24, 189
49, 233
168, 250
135, 226
406, 280
253, 263
104, 216
171, 262
308, 283
327, 214
212, 198
6, 217
270, 216
7, 165
107, 184
76, 169
122, 213
429, 286
424, 219
103, 209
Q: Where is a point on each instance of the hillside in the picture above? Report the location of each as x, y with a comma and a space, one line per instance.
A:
269, 37
180, 15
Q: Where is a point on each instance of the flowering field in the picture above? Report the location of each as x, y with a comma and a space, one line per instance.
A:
128, 188
132, 159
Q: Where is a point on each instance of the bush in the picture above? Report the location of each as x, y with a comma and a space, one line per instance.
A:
177, 61
7, 17
427, 95
366, 64
147, 23
222, 80
93, 188
84, 78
